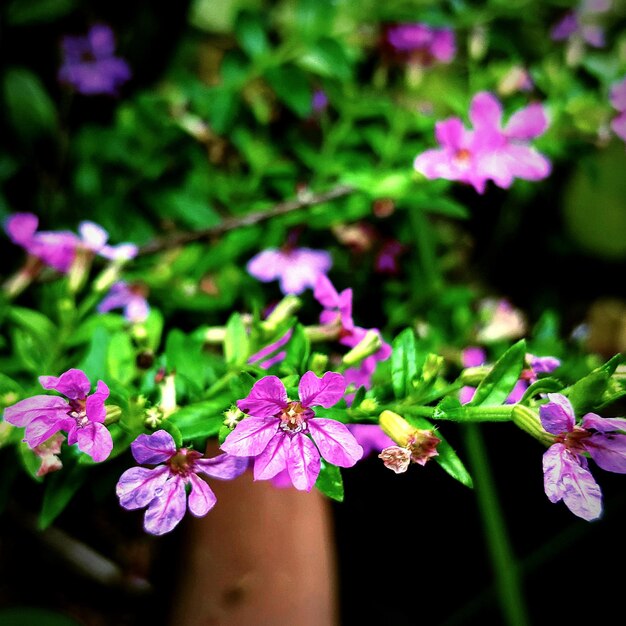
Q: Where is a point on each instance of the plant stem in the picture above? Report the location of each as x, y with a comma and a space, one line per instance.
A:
503, 560
425, 245
231, 223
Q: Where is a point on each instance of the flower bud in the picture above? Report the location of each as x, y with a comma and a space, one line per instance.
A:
282, 312
370, 344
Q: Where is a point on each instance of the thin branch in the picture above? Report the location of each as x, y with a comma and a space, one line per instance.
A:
230, 223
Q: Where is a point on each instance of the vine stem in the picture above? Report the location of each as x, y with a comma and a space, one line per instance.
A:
230, 223
503, 560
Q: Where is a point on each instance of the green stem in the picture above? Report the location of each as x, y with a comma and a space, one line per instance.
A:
505, 567
424, 242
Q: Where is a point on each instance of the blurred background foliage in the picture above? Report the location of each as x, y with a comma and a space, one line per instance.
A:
219, 121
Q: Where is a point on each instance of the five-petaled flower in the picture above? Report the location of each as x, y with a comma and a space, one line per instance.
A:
285, 434
565, 466
488, 151
163, 488
81, 415
89, 63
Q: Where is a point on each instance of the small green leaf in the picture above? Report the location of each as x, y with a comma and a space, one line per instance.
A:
495, 388
201, 419
173, 430
447, 457
94, 363
298, 349
236, 342
403, 362
292, 88
330, 482
60, 489
250, 33
586, 393
30, 109
543, 385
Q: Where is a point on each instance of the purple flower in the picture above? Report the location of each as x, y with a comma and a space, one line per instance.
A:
618, 100
489, 151
337, 306
319, 101
565, 466
296, 268
163, 489
423, 44
285, 434
130, 298
371, 438
580, 23
81, 415
268, 356
58, 248
89, 63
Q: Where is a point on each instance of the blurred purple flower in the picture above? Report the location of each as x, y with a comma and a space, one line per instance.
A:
81, 415
422, 43
296, 269
371, 438
163, 489
337, 306
319, 102
580, 23
58, 248
129, 297
565, 466
489, 151
89, 64
277, 432
268, 356
48, 454
617, 97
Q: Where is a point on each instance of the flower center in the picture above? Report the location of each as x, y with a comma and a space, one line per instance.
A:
574, 439
462, 158
183, 462
78, 411
294, 416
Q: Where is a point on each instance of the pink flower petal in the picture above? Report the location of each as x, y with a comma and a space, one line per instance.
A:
25, 411
137, 486
273, 459
608, 451
336, 443
74, 384
93, 236
303, 462
485, 113
157, 447
266, 265
223, 466
201, 497
167, 508
325, 391
94, 405
95, 440
250, 436
529, 122
267, 397
43, 427
21, 227
557, 415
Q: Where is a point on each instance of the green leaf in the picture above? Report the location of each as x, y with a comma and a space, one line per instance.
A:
447, 457
586, 393
498, 384
30, 109
121, 358
94, 363
60, 489
201, 419
292, 88
326, 57
236, 342
185, 355
403, 362
20, 12
298, 350
543, 385
334, 413
173, 430
30, 461
330, 482
250, 33
28, 615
